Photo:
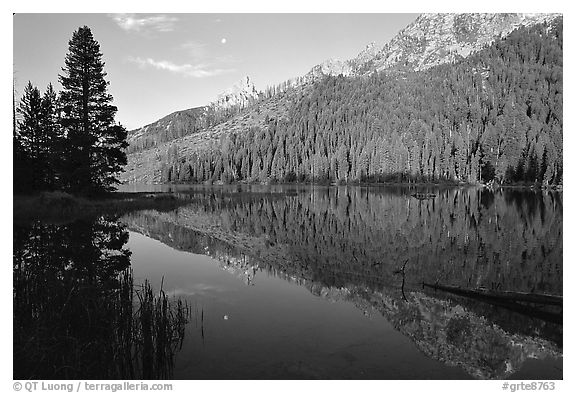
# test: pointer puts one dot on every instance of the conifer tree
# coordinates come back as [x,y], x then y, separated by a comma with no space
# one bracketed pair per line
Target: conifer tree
[28,147]
[52,137]
[94,148]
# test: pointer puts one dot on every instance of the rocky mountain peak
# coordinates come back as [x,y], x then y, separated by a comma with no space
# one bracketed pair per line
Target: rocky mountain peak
[434,39]
[430,40]
[332,67]
[239,93]
[368,52]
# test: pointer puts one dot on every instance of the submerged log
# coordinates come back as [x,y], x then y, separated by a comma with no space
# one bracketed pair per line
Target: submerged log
[526,297]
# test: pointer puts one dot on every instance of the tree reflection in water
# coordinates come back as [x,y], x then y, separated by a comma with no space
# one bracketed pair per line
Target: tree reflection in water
[75,311]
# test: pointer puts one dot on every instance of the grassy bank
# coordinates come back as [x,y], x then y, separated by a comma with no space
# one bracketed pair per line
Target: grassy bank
[57,206]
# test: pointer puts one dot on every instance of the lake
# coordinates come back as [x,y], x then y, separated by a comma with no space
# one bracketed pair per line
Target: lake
[295,282]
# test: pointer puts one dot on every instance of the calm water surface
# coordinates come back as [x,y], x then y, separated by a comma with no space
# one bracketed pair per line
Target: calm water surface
[326,282]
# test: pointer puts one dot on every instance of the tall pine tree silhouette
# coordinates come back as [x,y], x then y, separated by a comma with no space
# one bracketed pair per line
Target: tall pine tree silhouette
[52,138]
[28,142]
[94,148]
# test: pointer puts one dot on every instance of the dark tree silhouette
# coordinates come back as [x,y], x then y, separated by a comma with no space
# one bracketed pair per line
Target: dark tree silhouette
[52,138]
[29,146]
[95,144]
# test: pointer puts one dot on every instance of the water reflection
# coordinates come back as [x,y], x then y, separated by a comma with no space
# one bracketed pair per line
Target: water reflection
[75,315]
[348,244]
[78,313]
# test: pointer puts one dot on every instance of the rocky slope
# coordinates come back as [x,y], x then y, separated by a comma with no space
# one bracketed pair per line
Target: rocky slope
[441,38]
[145,164]
[190,121]
[173,126]
[241,94]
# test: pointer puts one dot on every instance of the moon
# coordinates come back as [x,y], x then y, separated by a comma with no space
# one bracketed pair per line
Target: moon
[223,40]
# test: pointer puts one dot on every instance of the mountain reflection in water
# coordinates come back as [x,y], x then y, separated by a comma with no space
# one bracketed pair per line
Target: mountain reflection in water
[349,244]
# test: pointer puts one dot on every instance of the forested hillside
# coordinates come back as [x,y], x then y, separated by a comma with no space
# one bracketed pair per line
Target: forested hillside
[494,115]
[172,126]
[178,125]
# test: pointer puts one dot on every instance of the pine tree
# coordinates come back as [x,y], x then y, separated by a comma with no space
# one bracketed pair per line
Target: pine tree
[94,143]
[28,146]
[52,137]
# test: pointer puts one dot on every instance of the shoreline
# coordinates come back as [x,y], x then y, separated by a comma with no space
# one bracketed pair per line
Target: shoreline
[58,206]
[61,207]
[520,186]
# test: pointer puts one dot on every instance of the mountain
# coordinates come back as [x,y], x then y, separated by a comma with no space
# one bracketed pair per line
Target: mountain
[434,39]
[190,121]
[329,67]
[430,40]
[173,126]
[367,118]
[239,95]
[153,147]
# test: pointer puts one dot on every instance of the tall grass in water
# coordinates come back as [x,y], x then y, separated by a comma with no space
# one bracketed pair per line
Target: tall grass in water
[79,315]
[129,333]
[160,326]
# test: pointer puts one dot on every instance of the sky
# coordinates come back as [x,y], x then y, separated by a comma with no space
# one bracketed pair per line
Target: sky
[160,63]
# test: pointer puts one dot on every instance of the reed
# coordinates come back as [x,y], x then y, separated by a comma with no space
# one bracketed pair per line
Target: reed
[159,327]
[79,330]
